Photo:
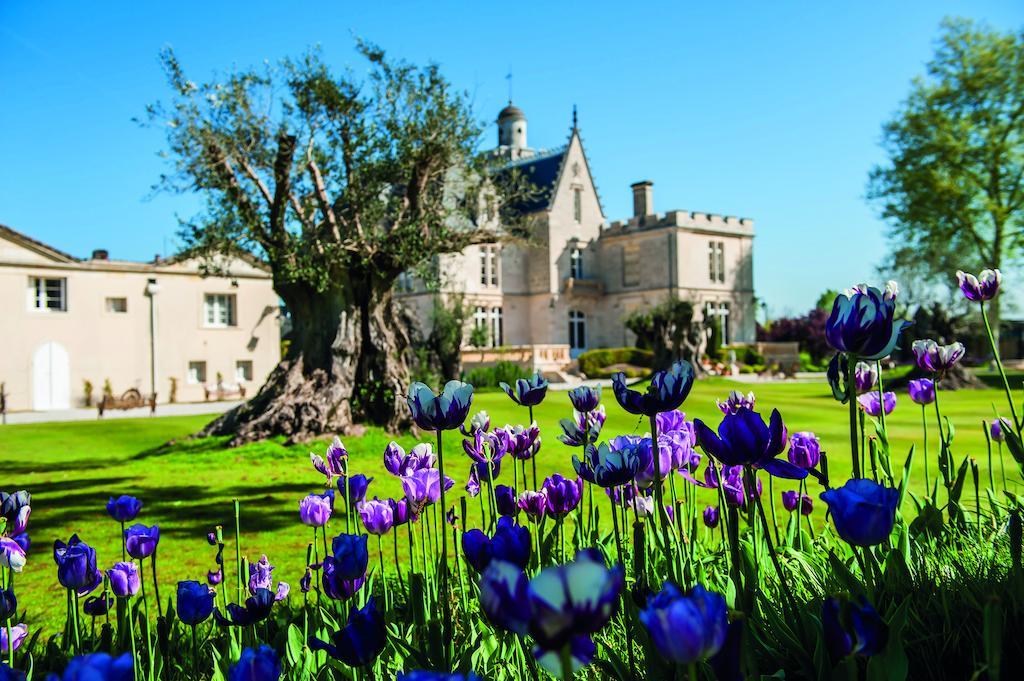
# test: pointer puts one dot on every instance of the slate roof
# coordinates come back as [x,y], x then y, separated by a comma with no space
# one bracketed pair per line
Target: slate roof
[542,172]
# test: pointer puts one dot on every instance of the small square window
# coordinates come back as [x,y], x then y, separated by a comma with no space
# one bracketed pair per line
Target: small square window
[219,310]
[117,305]
[243,371]
[197,372]
[48,295]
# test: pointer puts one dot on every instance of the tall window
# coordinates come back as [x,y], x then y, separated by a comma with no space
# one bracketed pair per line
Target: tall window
[631,265]
[404,283]
[576,263]
[719,312]
[219,310]
[716,261]
[577,330]
[497,328]
[479,335]
[489,265]
[577,205]
[48,295]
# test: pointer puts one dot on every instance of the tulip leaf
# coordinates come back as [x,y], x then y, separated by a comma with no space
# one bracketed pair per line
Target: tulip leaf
[905,480]
[993,638]
[295,644]
[1014,444]
[613,666]
[892,664]
[958,485]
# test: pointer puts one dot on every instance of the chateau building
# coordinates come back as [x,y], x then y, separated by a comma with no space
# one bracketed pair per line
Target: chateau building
[141,325]
[578,276]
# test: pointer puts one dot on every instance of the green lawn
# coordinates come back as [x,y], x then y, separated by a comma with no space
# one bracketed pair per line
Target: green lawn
[72,468]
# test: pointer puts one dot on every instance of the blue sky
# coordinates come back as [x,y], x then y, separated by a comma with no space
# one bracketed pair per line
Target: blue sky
[764,110]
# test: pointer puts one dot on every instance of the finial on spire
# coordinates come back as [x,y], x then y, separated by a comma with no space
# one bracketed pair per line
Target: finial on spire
[574,117]
[508,77]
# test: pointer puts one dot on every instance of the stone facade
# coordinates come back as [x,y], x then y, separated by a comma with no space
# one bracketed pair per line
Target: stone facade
[70,320]
[578,276]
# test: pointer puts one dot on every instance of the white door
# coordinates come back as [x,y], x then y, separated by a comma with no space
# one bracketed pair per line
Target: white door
[577,333]
[51,378]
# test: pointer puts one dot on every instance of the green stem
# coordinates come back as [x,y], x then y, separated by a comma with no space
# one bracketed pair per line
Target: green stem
[924,428]
[1002,372]
[659,494]
[851,393]
[443,590]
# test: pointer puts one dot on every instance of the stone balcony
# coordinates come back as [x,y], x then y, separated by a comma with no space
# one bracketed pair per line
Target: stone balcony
[583,288]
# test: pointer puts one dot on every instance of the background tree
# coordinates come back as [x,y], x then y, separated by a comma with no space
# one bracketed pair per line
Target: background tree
[952,189]
[448,328]
[671,332]
[339,184]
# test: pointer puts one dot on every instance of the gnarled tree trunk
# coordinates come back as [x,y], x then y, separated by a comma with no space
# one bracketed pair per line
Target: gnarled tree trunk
[348,362]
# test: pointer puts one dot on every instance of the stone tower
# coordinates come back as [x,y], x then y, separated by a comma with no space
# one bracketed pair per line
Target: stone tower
[512,130]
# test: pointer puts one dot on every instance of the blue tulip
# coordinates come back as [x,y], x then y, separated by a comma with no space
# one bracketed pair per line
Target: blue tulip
[8,674]
[743,439]
[863,322]
[195,602]
[256,609]
[574,599]
[476,546]
[585,398]
[76,565]
[505,497]
[726,663]
[527,392]
[256,664]
[357,486]
[350,555]
[852,627]
[863,511]
[8,604]
[336,586]
[360,641]
[607,467]
[688,628]
[124,508]
[581,651]
[667,391]
[141,541]
[504,599]
[99,667]
[446,411]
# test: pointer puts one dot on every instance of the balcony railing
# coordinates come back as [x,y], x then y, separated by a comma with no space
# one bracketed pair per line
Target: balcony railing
[583,287]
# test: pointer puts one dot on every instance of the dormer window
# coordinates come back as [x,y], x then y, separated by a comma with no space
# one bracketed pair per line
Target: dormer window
[576,263]
[489,265]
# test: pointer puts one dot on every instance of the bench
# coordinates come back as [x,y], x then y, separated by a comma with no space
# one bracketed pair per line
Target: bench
[223,391]
[129,399]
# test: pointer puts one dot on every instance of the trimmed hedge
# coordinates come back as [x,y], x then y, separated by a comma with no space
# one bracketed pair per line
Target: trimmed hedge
[489,377]
[593,361]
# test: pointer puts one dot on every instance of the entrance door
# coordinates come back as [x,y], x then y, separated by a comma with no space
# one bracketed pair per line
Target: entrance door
[51,378]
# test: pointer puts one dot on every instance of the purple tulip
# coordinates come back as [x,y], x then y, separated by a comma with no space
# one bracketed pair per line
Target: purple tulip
[214,577]
[791,500]
[504,596]
[527,392]
[520,441]
[666,391]
[445,411]
[261,577]
[473,483]
[585,398]
[306,581]
[124,579]
[711,517]
[804,450]
[12,554]
[141,541]
[998,428]
[399,511]
[562,494]
[865,377]
[422,488]
[863,322]
[377,516]
[124,508]
[744,439]
[97,606]
[869,402]
[211,538]
[506,499]
[535,504]
[735,488]
[335,585]
[315,510]
[335,463]
[735,401]
[486,451]
[399,464]
[256,609]
[936,358]
[981,288]
[922,391]
[357,486]
[19,632]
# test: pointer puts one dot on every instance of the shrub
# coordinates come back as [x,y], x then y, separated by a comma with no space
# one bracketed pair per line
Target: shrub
[593,361]
[490,376]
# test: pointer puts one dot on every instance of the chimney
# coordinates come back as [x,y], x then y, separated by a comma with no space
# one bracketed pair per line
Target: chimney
[100,254]
[643,198]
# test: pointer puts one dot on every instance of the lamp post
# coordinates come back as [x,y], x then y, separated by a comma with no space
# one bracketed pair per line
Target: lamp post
[152,288]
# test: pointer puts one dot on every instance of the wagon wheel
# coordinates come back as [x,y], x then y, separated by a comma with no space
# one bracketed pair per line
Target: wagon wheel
[131,398]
